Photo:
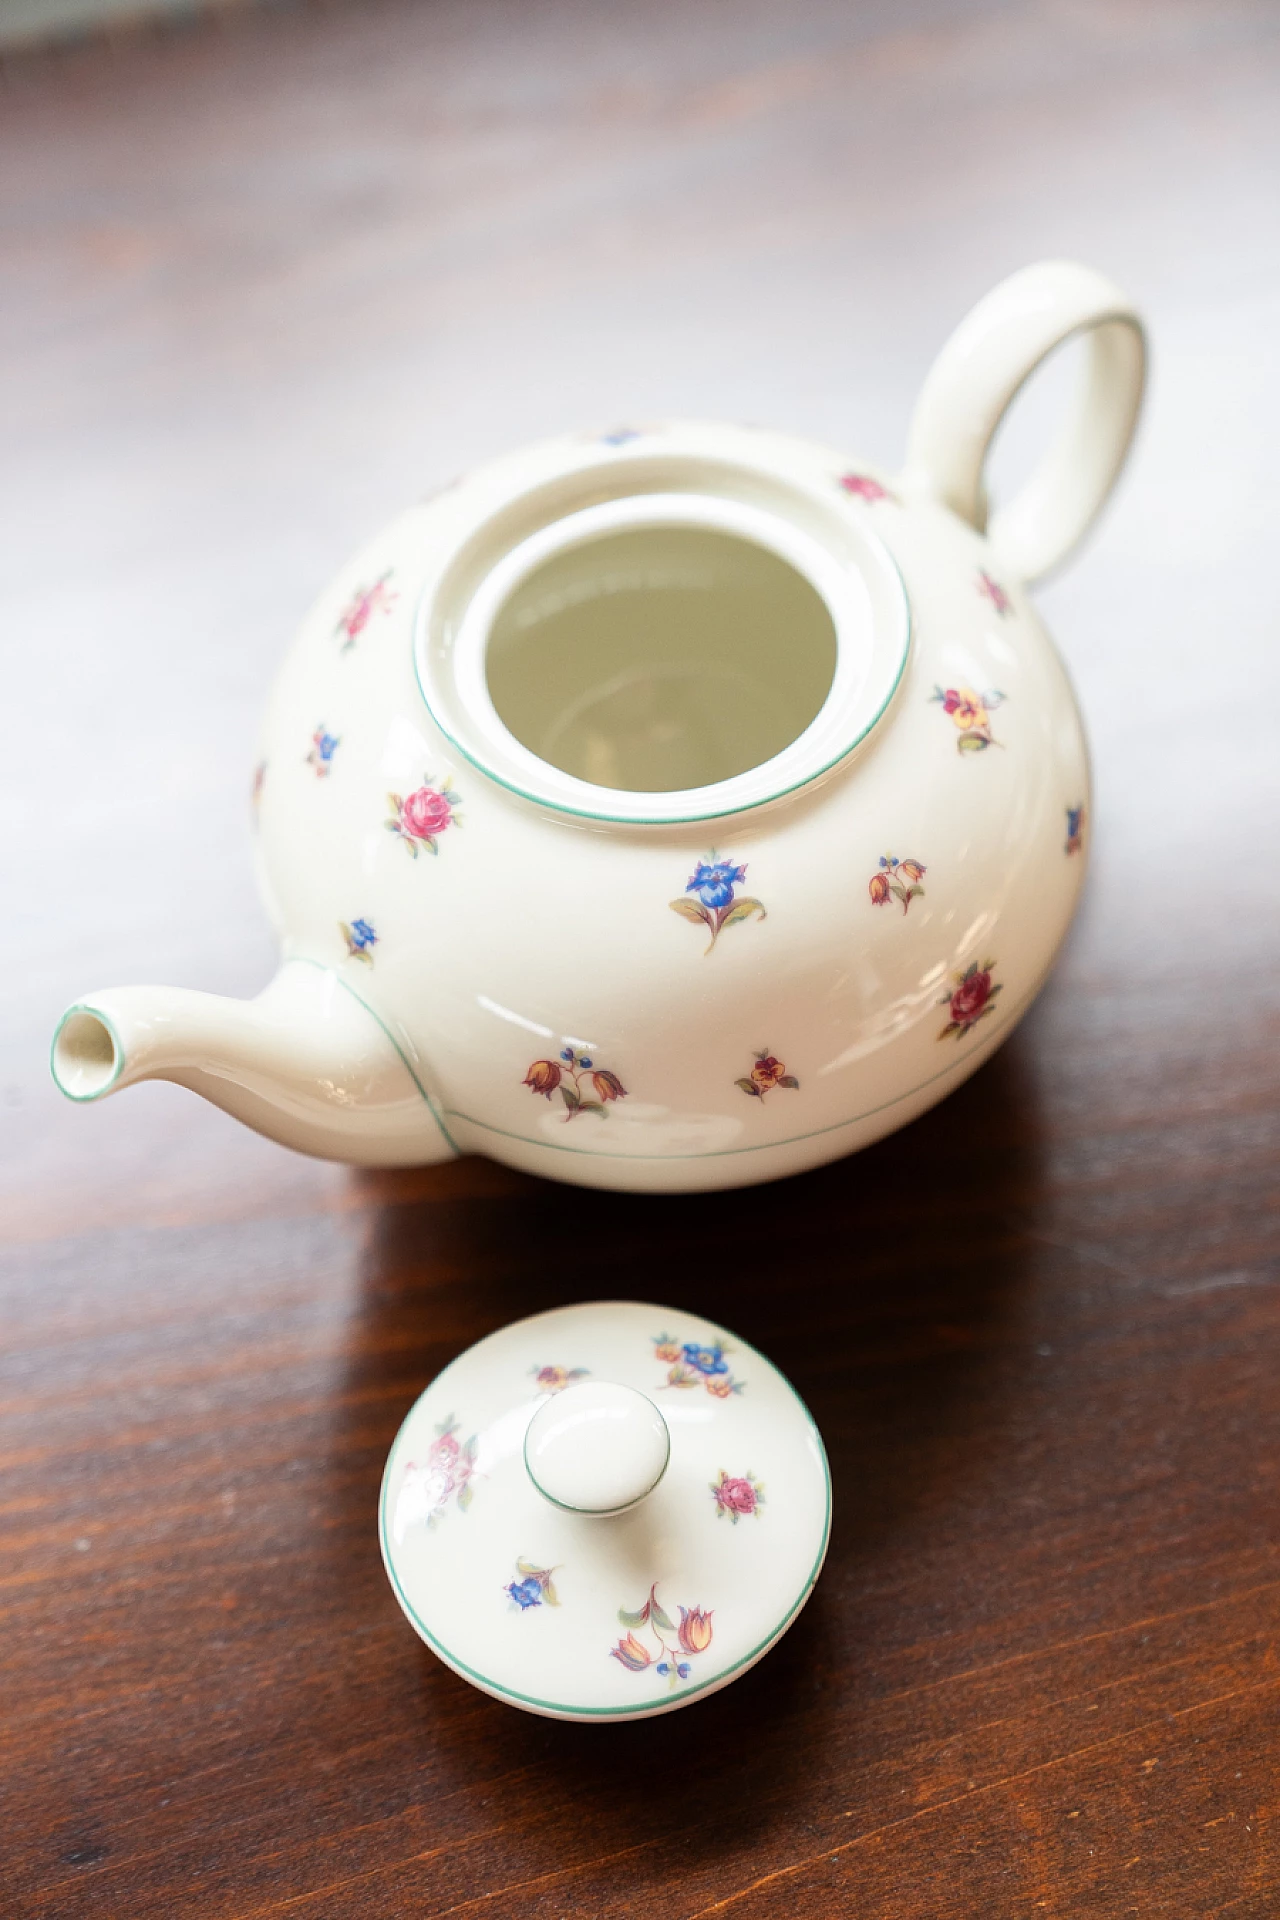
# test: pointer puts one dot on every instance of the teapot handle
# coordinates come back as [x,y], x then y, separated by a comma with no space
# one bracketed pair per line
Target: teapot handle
[980,370]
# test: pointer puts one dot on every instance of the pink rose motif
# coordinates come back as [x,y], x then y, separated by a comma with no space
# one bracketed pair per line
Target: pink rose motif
[425,814]
[736,1496]
[970,1000]
[360,609]
[863,487]
[419,820]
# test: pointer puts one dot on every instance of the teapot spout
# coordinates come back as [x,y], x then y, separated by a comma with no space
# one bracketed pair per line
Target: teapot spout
[306,1063]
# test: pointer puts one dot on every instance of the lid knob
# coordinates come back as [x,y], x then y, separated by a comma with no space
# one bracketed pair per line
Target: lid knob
[596,1448]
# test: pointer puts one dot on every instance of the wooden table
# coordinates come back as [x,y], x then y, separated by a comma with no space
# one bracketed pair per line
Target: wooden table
[267,280]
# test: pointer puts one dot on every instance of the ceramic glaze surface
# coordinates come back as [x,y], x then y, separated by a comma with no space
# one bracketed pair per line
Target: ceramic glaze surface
[583,1617]
[510,923]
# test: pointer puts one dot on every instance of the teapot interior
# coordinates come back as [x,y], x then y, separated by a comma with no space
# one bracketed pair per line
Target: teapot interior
[660,658]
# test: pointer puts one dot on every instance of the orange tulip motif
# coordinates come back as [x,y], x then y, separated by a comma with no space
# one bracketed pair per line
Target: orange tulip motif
[583,1087]
[673,1646]
[897,880]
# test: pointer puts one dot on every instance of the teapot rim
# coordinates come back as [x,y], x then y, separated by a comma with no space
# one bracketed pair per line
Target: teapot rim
[861,588]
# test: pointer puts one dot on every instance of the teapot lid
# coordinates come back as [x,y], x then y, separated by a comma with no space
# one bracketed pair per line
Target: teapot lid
[605,1511]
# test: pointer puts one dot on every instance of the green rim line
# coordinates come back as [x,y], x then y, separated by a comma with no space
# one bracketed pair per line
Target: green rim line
[765,1146]
[1006,1020]
[95,1013]
[303,960]
[560,1707]
[718,812]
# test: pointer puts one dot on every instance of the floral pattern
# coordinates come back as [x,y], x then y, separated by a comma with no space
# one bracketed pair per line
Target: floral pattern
[429,1485]
[690,1364]
[992,590]
[768,1072]
[737,1496]
[360,609]
[896,880]
[674,1646]
[716,903]
[970,1000]
[360,938]
[971,714]
[323,747]
[584,1087]
[533,1588]
[862,487]
[556,1379]
[1075,828]
[420,819]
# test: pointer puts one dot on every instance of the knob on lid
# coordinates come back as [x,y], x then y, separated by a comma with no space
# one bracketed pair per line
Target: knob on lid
[605,1511]
[597,1448]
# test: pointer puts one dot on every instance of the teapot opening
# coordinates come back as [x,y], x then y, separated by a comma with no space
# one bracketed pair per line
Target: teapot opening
[666,653]
[660,658]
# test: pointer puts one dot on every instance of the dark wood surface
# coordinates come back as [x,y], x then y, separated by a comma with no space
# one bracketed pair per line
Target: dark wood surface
[264,282]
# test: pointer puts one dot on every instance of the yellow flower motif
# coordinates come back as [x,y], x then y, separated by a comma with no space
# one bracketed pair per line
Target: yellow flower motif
[968,710]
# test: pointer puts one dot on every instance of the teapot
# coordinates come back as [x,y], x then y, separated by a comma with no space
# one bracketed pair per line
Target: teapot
[670,808]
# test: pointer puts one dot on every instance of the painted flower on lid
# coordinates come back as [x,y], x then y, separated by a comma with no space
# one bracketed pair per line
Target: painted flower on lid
[737,1495]
[768,1072]
[896,880]
[971,999]
[323,747]
[716,904]
[533,1587]
[861,486]
[429,1485]
[360,609]
[992,590]
[692,1363]
[360,938]
[1075,828]
[582,1086]
[632,1653]
[970,714]
[556,1379]
[420,819]
[694,1631]
[673,1648]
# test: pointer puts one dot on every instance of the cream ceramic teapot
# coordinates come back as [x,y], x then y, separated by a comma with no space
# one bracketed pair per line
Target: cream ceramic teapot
[669,809]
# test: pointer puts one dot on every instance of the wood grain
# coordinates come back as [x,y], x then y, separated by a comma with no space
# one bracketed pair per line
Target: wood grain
[265,281]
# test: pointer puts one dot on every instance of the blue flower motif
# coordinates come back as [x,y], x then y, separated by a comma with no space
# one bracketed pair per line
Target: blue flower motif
[525,1593]
[705,1359]
[325,744]
[714,883]
[683,1669]
[584,1062]
[362,935]
[566,1053]
[663,1667]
